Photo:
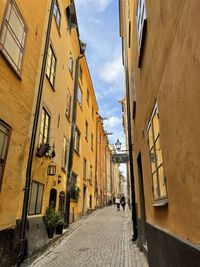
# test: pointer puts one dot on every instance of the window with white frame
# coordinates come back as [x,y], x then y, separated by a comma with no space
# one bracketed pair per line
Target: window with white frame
[51,66]
[77,141]
[68,104]
[80,95]
[141,19]
[64,154]
[71,63]
[56,12]
[156,158]
[13,36]
[4,143]
[44,127]
[35,204]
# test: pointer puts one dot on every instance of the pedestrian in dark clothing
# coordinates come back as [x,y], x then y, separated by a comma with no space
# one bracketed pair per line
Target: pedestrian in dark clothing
[123,201]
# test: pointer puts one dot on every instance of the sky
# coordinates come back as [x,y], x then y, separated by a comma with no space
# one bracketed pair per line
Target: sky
[98,22]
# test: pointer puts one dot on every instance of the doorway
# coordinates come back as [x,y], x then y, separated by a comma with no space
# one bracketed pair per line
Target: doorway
[52,197]
[142,223]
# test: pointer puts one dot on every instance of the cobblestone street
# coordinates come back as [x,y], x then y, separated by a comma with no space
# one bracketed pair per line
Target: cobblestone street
[103,239]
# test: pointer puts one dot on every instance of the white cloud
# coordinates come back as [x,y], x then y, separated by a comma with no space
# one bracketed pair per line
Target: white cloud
[97,5]
[113,122]
[112,70]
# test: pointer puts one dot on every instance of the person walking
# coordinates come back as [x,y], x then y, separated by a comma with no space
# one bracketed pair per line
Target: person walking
[123,201]
[117,201]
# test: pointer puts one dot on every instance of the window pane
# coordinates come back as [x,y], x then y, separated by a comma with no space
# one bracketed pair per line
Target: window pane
[153,160]
[158,152]
[12,49]
[162,184]
[156,125]
[155,186]
[33,198]
[39,199]
[16,25]
[150,135]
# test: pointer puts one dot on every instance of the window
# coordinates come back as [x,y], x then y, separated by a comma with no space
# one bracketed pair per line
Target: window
[13,36]
[56,12]
[61,206]
[141,24]
[92,141]
[64,154]
[90,175]
[4,143]
[84,168]
[74,179]
[44,128]
[51,66]
[71,64]
[81,73]
[80,96]
[93,112]
[86,130]
[156,159]
[77,141]
[73,185]
[68,104]
[88,96]
[35,205]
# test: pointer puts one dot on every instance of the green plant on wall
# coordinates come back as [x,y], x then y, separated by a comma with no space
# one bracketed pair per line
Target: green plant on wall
[75,192]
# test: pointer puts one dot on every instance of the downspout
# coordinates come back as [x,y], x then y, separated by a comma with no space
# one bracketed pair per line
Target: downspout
[22,235]
[72,140]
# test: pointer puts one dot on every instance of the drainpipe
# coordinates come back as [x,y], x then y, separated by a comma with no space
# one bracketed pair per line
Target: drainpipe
[72,140]
[22,235]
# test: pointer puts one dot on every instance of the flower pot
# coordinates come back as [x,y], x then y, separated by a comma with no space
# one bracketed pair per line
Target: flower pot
[59,229]
[50,232]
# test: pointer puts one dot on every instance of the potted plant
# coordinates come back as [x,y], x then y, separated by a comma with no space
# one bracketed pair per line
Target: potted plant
[59,227]
[51,220]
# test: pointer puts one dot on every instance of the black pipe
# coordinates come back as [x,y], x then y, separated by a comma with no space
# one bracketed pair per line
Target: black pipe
[72,140]
[22,235]
[130,146]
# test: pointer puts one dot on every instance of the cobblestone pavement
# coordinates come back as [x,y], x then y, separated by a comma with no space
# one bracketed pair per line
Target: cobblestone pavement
[103,239]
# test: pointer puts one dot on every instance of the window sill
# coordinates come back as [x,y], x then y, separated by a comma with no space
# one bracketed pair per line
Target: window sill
[71,73]
[63,170]
[78,154]
[68,118]
[18,74]
[52,85]
[160,203]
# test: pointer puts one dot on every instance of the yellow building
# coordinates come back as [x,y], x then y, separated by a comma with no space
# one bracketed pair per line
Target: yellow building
[21,38]
[161,61]
[84,160]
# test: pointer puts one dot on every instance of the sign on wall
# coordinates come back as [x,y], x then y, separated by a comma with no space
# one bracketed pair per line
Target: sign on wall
[120,158]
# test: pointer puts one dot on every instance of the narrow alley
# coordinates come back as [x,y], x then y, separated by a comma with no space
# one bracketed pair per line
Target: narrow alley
[101,239]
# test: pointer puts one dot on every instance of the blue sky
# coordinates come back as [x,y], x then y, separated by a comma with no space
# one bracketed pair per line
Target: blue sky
[98,22]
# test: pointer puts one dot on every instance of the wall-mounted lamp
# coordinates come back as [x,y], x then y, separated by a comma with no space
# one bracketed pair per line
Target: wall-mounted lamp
[59,179]
[51,170]
[118,145]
